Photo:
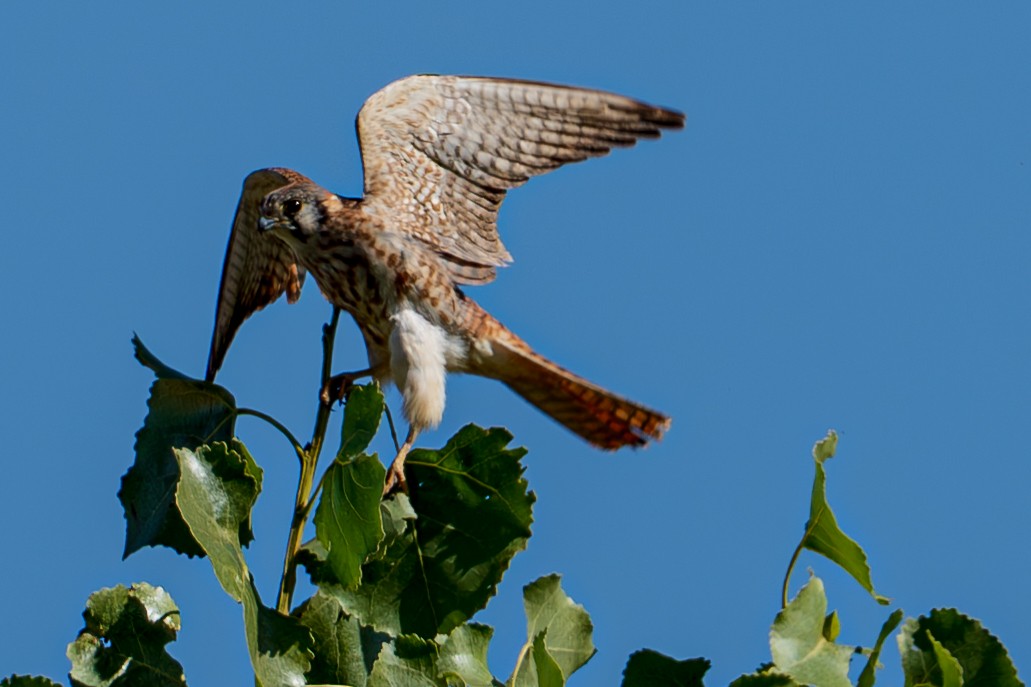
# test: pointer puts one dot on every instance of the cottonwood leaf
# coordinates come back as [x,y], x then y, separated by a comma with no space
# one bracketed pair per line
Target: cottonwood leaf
[764,680]
[982,657]
[123,641]
[648,668]
[362,414]
[951,671]
[435,571]
[409,662]
[345,650]
[181,413]
[823,535]
[557,627]
[798,645]
[28,681]
[347,520]
[868,676]
[463,655]
[215,494]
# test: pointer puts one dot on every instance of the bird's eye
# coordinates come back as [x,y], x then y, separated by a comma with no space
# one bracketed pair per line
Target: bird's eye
[291,207]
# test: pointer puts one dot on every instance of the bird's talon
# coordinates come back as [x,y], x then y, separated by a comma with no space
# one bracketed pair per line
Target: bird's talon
[395,480]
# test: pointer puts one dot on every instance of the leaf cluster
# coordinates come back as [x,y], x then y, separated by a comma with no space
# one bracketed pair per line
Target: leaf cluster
[400,579]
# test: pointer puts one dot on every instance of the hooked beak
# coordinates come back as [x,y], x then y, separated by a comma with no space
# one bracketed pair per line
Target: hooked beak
[266,223]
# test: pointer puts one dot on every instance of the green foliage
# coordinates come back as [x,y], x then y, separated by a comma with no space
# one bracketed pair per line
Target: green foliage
[27,681]
[215,494]
[822,533]
[399,579]
[443,556]
[948,648]
[558,636]
[182,413]
[647,668]
[799,645]
[123,641]
[866,678]
[348,522]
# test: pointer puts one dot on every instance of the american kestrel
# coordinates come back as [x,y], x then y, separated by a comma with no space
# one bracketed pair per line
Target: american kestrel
[439,153]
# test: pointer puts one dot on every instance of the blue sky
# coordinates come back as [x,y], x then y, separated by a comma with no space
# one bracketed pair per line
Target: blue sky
[839,238]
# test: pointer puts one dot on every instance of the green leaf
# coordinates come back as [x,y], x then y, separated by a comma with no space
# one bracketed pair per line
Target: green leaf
[150,361]
[548,672]
[344,649]
[410,662]
[647,668]
[215,494]
[347,521]
[868,676]
[463,655]
[182,413]
[798,645]
[831,627]
[556,625]
[361,420]
[434,572]
[764,680]
[951,671]
[822,532]
[980,654]
[123,641]
[28,681]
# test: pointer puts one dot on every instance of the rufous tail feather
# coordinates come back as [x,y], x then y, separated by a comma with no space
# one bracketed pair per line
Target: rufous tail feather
[601,417]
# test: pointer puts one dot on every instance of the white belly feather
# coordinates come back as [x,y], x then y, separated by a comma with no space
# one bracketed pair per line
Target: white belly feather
[421,352]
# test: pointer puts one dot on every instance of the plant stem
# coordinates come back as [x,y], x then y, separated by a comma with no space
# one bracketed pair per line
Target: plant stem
[809,528]
[309,461]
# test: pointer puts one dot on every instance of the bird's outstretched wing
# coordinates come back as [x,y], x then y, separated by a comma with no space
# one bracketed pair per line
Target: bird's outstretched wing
[258,268]
[439,153]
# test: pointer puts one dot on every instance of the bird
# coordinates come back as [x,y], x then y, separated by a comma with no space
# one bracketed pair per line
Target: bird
[439,153]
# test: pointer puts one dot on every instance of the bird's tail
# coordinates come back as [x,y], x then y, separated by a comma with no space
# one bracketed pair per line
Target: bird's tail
[599,416]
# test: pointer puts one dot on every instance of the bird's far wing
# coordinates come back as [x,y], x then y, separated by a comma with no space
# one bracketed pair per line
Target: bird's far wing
[258,268]
[439,153]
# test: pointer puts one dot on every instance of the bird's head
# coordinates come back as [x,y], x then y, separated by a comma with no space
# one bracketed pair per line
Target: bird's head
[297,211]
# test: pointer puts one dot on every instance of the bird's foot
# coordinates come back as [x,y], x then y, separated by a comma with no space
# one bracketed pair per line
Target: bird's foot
[338,388]
[396,472]
[395,479]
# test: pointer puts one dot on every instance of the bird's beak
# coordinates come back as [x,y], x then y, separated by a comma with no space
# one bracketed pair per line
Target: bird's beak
[266,223]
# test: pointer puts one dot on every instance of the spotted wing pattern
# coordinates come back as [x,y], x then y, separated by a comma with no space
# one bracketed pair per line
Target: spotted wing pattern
[257,270]
[440,152]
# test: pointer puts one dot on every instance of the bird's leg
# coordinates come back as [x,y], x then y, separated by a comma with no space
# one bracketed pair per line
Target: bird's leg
[396,471]
[339,386]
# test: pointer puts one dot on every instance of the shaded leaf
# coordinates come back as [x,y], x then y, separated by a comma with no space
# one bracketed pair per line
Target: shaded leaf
[647,668]
[764,680]
[362,415]
[554,623]
[181,413]
[410,662]
[28,681]
[123,641]
[463,655]
[344,650]
[150,361]
[980,654]
[434,572]
[798,645]
[868,676]
[347,520]
[822,532]
[215,494]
